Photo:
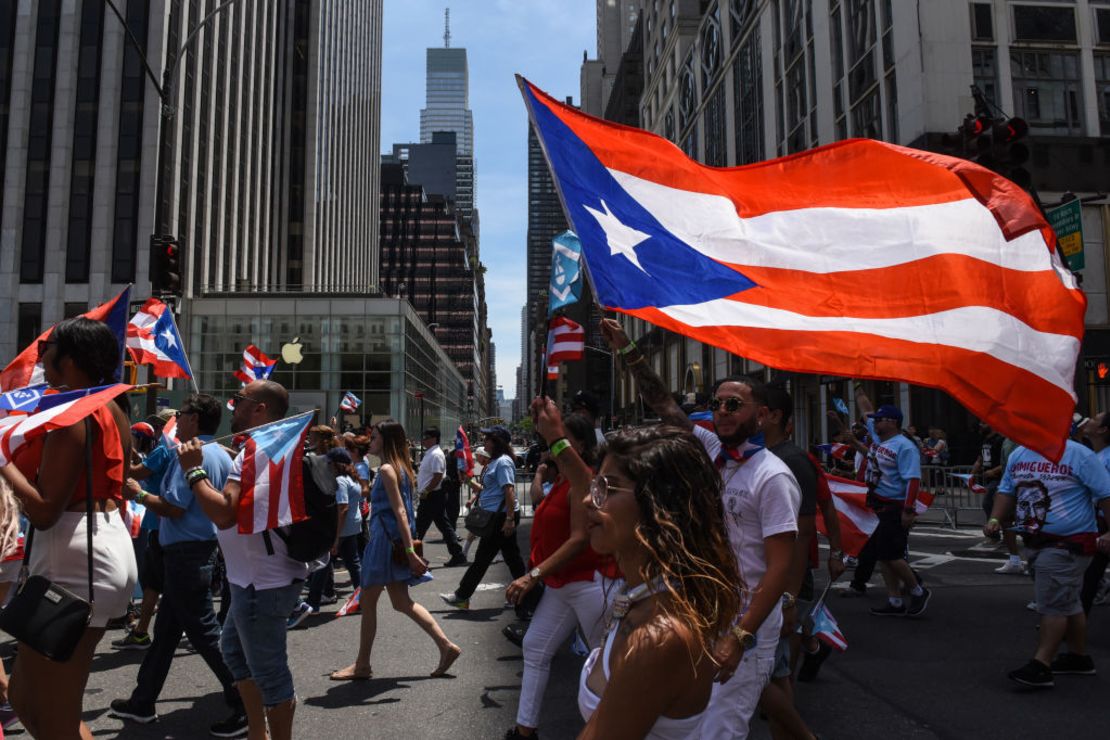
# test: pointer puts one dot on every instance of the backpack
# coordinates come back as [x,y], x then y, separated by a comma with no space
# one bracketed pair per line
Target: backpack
[311,539]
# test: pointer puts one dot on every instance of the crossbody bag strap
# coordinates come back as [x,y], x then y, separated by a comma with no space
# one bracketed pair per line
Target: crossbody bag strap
[89,501]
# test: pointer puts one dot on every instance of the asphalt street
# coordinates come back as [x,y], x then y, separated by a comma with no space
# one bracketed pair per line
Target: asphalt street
[939,676]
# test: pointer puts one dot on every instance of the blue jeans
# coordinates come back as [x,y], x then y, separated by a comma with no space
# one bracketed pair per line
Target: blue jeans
[253,639]
[186,609]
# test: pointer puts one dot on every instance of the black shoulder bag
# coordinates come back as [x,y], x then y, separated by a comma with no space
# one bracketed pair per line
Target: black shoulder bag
[43,615]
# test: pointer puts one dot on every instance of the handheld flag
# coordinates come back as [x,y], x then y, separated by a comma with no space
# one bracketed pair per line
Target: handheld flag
[970,481]
[351,605]
[169,435]
[566,340]
[703,419]
[566,274]
[553,372]
[827,630]
[840,405]
[153,339]
[256,365]
[132,514]
[350,403]
[64,409]
[835,449]
[462,452]
[272,491]
[26,369]
[766,262]
[856,520]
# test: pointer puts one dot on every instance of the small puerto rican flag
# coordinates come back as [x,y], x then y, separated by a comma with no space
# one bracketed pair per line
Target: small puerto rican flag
[256,365]
[827,630]
[350,403]
[272,493]
[350,606]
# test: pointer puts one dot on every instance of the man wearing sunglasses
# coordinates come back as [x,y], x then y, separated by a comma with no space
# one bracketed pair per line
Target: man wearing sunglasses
[761,499]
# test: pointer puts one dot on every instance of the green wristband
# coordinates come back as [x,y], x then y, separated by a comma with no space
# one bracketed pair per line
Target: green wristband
[558,446]
[410,550]
[627,348]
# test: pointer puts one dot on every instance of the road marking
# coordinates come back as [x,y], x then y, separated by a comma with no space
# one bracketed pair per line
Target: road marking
[931,561]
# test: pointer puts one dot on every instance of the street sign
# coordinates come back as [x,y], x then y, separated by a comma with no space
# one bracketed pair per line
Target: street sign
[1067,222]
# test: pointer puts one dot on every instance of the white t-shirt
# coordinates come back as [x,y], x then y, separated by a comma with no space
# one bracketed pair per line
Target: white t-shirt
[248,562]
[761,499]
[434,462]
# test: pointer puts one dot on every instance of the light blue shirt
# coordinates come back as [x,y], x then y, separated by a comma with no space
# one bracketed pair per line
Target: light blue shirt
[495,476]
[1056,498]
[892,464]
[350,493]
[194,525]
[156,462]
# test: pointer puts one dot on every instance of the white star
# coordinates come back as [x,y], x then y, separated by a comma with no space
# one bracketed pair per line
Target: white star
[622,239]
[168,336]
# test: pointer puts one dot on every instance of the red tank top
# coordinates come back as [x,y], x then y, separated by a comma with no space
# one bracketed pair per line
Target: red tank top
[107,460]
[550,529]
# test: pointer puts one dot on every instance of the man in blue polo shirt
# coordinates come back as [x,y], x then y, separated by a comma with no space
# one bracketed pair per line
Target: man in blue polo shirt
[188,540]
[1052,505]
[893,476]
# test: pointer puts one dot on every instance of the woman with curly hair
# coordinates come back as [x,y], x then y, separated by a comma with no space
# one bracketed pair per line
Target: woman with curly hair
[655,506]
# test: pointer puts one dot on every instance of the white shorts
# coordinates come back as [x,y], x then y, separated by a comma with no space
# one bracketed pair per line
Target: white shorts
[59,554]
[732,704]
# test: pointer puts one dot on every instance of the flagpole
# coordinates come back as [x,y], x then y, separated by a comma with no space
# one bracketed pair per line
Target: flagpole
[188,365]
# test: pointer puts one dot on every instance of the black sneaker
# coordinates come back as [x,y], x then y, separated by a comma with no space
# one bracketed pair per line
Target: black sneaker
[456,561]
[514,633]
[918,603]
[888,610]
[512,734]
[1035,674]
[1073,664]
[124,709]
[854,590]
[811,662]
[233,726]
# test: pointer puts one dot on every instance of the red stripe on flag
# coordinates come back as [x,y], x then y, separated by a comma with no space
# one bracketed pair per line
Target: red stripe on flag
[276,473]
[248,478]
[295,476]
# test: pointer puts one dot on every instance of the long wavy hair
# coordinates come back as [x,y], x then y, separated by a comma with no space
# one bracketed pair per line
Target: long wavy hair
[681,525]
[395,449]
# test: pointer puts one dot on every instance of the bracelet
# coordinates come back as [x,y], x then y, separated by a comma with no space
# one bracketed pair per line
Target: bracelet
[993,519]
[627,348]
[140,497]
[193,469]
[559,446]
[195,475]
[410,550]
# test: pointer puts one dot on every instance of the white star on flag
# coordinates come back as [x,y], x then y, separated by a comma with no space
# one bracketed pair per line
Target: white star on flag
[622,239]
[171,341]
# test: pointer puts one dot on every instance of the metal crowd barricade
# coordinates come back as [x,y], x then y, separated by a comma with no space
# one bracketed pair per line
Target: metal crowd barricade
[952,494]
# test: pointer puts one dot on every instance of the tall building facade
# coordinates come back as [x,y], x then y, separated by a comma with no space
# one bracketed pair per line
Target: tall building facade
[447,108]
[270,156]
[734,82]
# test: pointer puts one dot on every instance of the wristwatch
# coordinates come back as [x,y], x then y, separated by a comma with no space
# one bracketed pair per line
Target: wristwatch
[535,573]
[788,600]
[745,638]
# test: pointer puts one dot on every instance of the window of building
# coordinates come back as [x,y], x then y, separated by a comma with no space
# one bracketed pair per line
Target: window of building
[7,49]
[710,42]
[129,165]
[794,72]
[748,92]
[1044,23]
[687,95]
[985,71]
[37,190]
[81,184]
[1102,26]
[1102,90]
[29,324]
[716,135]
[668,124]
[741,12]
[1047,90]
[982,22]
[73,310]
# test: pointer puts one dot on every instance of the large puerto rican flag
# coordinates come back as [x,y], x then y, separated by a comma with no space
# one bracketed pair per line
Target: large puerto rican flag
[857,258]
[26,369]
[153,339]
[54,411]
[272,490]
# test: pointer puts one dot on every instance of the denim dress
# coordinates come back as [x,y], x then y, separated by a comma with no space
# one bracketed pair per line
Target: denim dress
[378,567]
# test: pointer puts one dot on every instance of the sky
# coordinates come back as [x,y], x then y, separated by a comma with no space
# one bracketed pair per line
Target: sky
[540,39]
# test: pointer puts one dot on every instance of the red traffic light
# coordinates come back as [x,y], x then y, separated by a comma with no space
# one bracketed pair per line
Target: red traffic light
[1007,132]
[1103,370]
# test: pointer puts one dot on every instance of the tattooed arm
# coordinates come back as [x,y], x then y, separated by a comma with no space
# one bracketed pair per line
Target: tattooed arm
[651,387]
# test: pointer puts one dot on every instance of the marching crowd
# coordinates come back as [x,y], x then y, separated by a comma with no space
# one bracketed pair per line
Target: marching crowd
[682,555]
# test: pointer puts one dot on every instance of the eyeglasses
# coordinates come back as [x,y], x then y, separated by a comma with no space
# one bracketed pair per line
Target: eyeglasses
[238,397]
[43,345]
[600,488]
[732,405]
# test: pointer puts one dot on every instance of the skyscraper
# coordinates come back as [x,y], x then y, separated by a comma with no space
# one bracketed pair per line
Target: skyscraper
[447,108]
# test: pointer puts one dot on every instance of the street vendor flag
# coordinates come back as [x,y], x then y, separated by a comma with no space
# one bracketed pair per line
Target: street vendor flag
[857,258]
[26,369]
[566,273]
[856,520]
[272,490]
[255,365]
[153,339]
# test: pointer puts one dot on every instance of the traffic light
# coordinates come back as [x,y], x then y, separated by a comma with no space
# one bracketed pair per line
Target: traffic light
[1009,153]
[165,265]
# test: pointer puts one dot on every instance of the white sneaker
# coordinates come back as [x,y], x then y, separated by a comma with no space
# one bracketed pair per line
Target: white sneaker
[1031,606]
[1011,567]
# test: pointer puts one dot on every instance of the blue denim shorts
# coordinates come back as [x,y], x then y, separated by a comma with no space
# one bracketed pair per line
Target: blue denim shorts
[253,641]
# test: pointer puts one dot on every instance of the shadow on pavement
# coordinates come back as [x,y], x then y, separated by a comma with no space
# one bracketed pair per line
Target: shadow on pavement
[352,693]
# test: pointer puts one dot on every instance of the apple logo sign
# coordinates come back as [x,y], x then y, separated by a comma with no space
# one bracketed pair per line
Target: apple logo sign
[291,352]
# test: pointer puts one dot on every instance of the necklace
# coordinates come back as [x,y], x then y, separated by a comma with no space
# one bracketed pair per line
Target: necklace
[628,598]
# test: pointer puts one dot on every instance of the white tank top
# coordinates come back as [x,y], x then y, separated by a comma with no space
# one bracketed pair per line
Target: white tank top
[665,728]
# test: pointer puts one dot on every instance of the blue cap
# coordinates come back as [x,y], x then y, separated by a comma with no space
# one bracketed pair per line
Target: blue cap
[886,411]
[339,455]
[499,432]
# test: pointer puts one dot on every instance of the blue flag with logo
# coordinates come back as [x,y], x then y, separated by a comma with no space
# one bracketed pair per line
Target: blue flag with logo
[566,271]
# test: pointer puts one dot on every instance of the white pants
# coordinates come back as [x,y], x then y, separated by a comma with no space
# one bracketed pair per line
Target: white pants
[578,603]
[733,703]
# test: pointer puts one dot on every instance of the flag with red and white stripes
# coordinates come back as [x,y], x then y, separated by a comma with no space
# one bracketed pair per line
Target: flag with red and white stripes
[858,258]
[255,366]
[56,411]
[566,341]
[272,490]
[857,521]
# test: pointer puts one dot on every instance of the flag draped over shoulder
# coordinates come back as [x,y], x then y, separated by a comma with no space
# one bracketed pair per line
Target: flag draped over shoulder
[271,483]
[857,258]
[54,412]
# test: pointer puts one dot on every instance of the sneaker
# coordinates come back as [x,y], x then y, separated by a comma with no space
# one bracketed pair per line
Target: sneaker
[233,726]
[124,709]
[888,610]
[7,716]
[853,591]
[1031,606]
[132,641]
[1035,674]
[328,599]
[514,633]
[918,603]
[457,561]
[811,662]
[301,613]
[452,600]
[512,734]
[1011,568]
[1073,664]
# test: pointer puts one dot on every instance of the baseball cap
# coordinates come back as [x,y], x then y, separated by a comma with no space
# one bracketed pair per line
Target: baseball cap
[498,431]
[586,400]
[166,414]
[886,411]
[339,455]
[142,429]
